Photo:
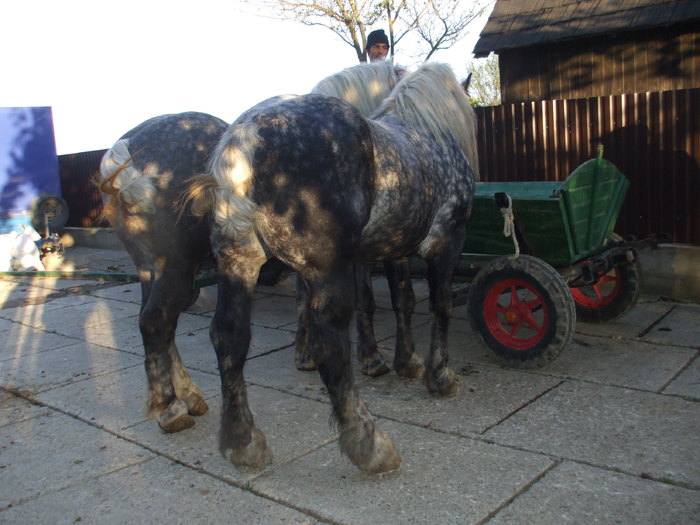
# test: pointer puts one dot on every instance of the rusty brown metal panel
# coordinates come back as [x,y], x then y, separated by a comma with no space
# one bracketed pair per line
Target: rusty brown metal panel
[653,138]
[84,200]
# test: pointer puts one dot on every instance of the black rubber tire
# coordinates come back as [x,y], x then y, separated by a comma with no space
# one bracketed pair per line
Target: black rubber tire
[53,206]
[610,308]
[540,292]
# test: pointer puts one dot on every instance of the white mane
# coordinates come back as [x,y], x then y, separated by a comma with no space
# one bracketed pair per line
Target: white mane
[364,86]
[432,99]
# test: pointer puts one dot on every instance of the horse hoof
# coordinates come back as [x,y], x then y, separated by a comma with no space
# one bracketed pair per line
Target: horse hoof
[385,457]
[443,383]
[255,454]
[196,406]
[175,418]
[374,367]
[413,369]
[304,362]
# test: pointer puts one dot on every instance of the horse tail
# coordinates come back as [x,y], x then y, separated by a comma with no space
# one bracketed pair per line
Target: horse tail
[125,183]
[200,194]
[232,168]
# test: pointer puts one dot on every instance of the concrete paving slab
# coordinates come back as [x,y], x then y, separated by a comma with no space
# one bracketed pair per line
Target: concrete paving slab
[274,311]
[385,326]
[115,400]
[687,384]
[634,323]
[557,429]
[444,479]
[130,293]
[616,428]
[5,325]
[82,258]
[189,322]
[19,340]
[462,343]
[486,397]
[679,327]
[155,491]
[45,370]
[197,351]
[58,283]
[44,454]
[619,362]
[12,291]
[54,301]
[293,427]
[124,333]
[75,313]
[277,370]
[206,302]
[14,409]
[575,493]
[121,334]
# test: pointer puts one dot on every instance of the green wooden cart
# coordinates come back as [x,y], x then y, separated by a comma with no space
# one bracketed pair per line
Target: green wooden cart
[560,261]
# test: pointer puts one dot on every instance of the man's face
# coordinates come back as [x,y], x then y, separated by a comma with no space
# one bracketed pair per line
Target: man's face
[378,52]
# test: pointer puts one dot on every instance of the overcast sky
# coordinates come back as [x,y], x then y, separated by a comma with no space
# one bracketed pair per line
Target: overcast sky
[106,66]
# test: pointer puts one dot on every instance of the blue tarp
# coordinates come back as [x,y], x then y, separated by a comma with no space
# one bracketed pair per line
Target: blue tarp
[28,163]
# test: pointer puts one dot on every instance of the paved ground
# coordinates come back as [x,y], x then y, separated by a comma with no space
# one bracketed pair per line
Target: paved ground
[608,433]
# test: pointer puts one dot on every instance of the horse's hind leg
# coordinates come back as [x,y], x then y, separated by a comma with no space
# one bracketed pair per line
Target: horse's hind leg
[438,377]
[240,441]
[407,362]
[331,308]
[302,358]
[172,395]
[371,361]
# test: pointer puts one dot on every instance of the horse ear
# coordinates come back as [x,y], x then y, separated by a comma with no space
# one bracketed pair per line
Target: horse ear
[466,82]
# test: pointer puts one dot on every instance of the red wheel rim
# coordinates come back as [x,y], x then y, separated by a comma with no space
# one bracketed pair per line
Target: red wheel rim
[601,293]
[516,314]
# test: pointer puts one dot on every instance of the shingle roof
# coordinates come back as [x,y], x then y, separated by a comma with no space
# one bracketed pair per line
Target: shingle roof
[523,23]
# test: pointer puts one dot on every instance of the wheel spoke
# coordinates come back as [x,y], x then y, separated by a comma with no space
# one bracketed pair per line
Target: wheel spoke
[531,321]
[514,299]
[515,327]
[597,291]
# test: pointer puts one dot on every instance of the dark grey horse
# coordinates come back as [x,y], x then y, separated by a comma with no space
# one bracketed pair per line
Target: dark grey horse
[312,182]
[143,178]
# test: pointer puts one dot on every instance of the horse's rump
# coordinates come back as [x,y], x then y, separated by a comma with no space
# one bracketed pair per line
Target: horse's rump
[289,168]
[154,158]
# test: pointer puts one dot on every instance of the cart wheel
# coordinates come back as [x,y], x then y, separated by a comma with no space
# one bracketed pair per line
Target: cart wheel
[611,297]
[522,309]
[53,207]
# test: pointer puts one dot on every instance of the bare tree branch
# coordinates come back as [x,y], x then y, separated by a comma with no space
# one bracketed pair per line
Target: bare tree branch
[437,23]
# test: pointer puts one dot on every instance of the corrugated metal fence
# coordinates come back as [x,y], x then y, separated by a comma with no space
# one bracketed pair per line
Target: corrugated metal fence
[653,138]
[81,195]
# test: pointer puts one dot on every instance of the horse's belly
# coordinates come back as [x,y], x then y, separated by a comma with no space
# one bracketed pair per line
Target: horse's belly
[391,239]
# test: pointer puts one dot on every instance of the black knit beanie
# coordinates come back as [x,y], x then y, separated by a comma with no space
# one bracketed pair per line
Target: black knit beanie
[376,37]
